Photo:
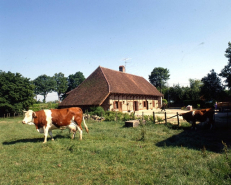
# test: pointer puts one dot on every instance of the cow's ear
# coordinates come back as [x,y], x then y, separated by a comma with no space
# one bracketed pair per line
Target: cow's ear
[34,115]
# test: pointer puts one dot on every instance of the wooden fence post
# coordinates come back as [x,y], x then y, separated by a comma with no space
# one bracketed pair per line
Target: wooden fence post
[154,118]
[134,116]
[178,119]
[165,117]
[142,115]
[116,116]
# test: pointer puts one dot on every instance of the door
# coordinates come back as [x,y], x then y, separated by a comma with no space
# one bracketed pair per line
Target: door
[120,106]
[136,106]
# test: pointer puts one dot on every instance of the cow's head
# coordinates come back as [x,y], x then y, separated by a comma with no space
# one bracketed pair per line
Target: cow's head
[29,117]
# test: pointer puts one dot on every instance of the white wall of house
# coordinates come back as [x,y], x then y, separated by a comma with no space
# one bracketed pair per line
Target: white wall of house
[127,103]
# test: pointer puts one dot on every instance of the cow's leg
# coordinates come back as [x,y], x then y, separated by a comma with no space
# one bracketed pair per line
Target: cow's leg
[73,136]
[45,134]
[193,125]
[80,132]
[50,133]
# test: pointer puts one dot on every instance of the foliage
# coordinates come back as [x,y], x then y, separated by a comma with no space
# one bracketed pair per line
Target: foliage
[159,76]
[110,116]
[42,106]
[16,93]
[195,86]
[61,84]
[212,88]
[43,85]
[126,117]
[99,111]
[176,93]
[159,119]
[226,72]
[164,101]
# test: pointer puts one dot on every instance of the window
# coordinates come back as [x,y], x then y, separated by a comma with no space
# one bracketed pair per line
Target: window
[144,104]
[116,105]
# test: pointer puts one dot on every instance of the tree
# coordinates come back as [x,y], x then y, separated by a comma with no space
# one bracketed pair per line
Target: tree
[195,89]
[176,94]
[226,72]
[61,84]
[43,85]
[16,92]
[74,81]
[212,87]
[158,77]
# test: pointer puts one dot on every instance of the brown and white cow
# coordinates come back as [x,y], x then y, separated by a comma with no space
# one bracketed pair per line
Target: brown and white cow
[203,115]
[47,120]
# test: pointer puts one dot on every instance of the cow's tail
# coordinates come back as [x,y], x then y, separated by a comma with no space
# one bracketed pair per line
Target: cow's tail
[85,125]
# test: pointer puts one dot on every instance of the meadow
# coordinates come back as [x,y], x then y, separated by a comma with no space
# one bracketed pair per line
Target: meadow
[114,154]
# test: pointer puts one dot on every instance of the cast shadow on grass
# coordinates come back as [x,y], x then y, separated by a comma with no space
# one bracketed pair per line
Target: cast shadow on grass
[198,139]
[34,140]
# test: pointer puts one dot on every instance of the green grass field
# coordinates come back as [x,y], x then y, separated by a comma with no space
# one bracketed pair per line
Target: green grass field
[114,154]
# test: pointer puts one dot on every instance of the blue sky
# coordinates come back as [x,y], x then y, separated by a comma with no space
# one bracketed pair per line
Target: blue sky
[51,36]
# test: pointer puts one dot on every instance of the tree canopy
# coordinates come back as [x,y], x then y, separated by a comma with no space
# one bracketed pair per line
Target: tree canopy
[16,92]
[212,88]
[159,77]
[61,84]
[75,80]
[43,85]
[226,72]
[195,85]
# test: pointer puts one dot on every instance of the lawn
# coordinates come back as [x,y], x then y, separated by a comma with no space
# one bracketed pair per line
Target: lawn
[114,154]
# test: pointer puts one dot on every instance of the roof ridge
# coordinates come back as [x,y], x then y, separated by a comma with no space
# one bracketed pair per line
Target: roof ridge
[122,72]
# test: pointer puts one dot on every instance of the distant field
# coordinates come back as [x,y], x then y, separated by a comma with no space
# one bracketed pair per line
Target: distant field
[113,154]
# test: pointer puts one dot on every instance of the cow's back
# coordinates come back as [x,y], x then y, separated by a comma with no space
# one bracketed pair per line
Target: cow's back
[63,117]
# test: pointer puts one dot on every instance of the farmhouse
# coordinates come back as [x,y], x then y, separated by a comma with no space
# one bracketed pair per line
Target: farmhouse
[114,91]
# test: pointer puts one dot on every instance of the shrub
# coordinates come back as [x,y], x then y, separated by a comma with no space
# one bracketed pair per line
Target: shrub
[146,118]
[159,119]
[164,101]
[99,111]
[126,117]
[109,117]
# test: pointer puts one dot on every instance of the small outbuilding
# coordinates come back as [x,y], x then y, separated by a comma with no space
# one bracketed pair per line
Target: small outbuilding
[114,91]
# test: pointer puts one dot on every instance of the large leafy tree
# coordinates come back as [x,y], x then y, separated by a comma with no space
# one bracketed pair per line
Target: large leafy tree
[61,84]
[176,94]
[74,80]
[226,72]
[212,88]
[43,85]
[16,92]
[195,86]
[159,77]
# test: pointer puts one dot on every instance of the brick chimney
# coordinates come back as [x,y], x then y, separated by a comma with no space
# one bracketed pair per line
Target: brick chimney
[122,69]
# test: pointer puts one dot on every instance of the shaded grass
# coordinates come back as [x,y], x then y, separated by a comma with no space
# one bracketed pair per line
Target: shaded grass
[113,154]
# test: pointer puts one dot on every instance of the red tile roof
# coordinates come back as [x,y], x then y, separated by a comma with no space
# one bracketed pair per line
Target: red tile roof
[102,82]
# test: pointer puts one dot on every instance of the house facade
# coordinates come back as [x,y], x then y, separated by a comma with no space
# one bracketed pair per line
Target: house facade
[114,91]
